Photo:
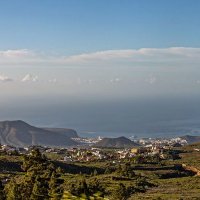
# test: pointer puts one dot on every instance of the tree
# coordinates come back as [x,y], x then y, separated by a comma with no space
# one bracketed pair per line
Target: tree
[138,159]
[35,160]
[142,184]
[12,191]
[41,182]
[40,189]
[79,187]
[126,170]
[120,193]
[55,190]
[2,194]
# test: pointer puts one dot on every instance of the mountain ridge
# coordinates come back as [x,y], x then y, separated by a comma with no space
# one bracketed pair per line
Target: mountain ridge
[19,133]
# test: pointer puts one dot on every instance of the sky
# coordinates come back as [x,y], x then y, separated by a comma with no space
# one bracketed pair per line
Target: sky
[76,27]
[75,52]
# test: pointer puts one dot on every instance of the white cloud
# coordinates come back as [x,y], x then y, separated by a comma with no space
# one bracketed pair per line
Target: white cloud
[54,80]
[115,80]
[101,55]
[126,56]
[20,56]
[140,55]
[29,78]
[151,79]
[4,78]
[20,53]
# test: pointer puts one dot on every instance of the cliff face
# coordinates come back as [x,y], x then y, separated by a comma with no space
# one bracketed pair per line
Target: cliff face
[64,131]
[19,133]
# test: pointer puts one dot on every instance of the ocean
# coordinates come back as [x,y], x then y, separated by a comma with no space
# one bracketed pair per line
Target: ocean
[145,117]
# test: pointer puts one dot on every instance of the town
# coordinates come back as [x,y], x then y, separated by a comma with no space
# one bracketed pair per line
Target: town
[85,152]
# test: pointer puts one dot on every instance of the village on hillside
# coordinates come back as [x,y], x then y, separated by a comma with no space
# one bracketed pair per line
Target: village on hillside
[147,148]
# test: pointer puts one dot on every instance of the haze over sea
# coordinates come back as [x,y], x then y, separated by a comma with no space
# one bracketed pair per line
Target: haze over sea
[161,117]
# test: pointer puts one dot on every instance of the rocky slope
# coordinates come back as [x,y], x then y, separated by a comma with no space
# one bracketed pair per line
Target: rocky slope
[19,133]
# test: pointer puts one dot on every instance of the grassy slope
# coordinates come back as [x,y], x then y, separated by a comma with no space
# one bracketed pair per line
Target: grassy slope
[177,188]
[171,188]
[174,188]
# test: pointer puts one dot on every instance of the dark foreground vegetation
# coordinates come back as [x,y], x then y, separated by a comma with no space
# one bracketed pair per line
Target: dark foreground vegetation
[35,176]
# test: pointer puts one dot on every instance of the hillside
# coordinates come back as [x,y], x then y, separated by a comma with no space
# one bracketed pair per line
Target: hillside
[19,133]
[64,131]
[120,142]
[191,139]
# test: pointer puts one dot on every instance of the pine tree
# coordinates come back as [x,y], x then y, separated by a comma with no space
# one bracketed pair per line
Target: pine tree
[34,161]
[120,193]
[2,194]
[55,190]
[40,189]
[12,191]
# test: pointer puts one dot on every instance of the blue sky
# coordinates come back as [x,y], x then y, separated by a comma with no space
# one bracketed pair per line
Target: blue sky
[64,52]
[76,26]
